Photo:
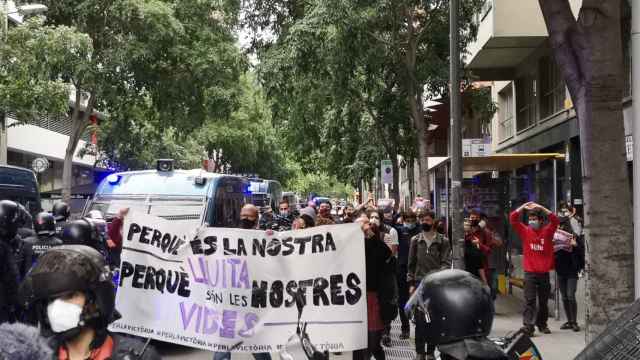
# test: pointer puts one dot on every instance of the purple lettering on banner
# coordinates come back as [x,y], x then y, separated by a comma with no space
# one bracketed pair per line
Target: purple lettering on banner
[228,324]
[204,269]
[198,319]
[224,274]
[197,279]
[210,327]
[250,321]
[217,277]
[244,276]
[186,319]
[234,273]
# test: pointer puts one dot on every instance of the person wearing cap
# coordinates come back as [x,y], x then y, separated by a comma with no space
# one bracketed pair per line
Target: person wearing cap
[73,297]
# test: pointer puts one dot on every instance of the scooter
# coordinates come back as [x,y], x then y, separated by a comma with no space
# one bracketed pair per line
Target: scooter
[299,346]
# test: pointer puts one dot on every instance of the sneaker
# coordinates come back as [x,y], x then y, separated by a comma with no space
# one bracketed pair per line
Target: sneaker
[386,340]
[566,326]
[576,327]
[404,335]
[528,330]
[544,329]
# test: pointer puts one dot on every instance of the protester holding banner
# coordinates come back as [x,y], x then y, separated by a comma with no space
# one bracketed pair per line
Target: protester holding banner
[71,290]
[430,251]
[376,255]
[114,237]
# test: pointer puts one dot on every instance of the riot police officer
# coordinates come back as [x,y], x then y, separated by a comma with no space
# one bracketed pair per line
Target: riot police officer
[459,312]
[71,292]
[22,252]
[8,269]
[25,222]
[61,213]
[84,232]
[45,239]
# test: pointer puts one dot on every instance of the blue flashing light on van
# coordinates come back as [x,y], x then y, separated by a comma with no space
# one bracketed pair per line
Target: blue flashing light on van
[193,196]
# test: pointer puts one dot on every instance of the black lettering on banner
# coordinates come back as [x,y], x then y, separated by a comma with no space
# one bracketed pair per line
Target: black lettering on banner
[302,242]
[317,243]
[212,242]
[259,294]
[161,279]
[149,279]
[242,250]
[183,288]
[276,296]
[336,289]
[143,235]
[291,290]
[274,247]
[155,239]
[166,241]
[354,293]
[171,287]
[320,286]
[288,246]
[133,229]
[137,276]
[125,271]
[175,245]
[227,249]
[259,247]
[329,243]
[196,246]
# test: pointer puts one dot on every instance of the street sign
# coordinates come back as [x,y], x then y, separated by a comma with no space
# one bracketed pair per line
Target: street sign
[386,171]
[39,165]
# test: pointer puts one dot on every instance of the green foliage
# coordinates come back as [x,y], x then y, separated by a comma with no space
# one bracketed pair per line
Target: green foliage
[320,183]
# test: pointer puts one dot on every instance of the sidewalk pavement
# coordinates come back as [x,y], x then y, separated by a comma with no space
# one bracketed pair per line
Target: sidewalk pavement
[560,345]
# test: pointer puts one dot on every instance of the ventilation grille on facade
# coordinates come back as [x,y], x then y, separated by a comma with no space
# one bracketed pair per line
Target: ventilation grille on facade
[60,124]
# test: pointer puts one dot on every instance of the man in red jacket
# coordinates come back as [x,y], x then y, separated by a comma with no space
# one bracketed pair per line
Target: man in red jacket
[114,237]
[538,260]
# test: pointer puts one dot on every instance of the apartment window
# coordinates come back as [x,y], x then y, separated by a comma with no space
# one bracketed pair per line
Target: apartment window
[505,113]
[552,88]
[526,96]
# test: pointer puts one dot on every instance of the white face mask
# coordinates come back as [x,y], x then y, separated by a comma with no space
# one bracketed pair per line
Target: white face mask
[482,224]
[375,221]
[63,316]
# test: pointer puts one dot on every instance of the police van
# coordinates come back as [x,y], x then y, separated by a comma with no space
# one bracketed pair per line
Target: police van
[193,197]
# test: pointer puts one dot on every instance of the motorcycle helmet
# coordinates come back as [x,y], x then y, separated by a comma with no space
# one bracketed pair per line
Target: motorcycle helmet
[45,224]
[9,218]
[61,211]
[457,306]
[62,271]
[81,232]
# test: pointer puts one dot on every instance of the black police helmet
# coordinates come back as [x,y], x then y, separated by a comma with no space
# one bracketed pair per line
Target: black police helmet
[61,211]
[64,270]
[9,216]
[45,224]
[457,306]
[81,232]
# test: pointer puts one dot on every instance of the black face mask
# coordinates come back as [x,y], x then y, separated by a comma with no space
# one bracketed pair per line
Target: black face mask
[426,227]
[247,224]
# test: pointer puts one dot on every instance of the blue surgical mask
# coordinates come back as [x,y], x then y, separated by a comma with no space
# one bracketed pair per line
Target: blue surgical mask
[535,224]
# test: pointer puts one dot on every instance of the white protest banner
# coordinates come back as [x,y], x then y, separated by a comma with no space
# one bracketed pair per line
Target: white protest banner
[232,290]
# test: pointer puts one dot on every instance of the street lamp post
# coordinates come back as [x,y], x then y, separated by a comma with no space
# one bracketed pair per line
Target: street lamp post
[27,9]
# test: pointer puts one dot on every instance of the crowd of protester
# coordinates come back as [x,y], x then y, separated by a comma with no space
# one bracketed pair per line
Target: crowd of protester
[60,267]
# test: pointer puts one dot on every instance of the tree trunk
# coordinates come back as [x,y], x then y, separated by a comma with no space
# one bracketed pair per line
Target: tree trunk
[79,123]
[394,192]
[589,54]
